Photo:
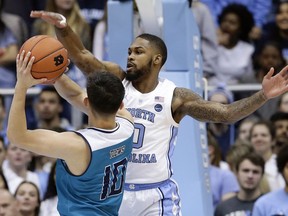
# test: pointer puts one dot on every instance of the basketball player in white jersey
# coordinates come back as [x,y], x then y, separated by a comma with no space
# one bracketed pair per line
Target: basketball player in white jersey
[157,106]
[91,162]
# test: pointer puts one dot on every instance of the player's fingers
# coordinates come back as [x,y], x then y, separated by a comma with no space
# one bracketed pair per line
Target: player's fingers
[27,56]
[283,72]
[22,54]
[30,63]
[270,73]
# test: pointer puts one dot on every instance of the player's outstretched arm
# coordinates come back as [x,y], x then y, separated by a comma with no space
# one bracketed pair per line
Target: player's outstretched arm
[186,102]
[79,55]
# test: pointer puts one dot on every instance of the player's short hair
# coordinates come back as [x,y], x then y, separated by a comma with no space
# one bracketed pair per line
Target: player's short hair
[105,92]
[158,43]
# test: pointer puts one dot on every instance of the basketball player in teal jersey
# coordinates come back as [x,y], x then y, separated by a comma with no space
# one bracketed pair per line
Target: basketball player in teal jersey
[92,162]
[157,106]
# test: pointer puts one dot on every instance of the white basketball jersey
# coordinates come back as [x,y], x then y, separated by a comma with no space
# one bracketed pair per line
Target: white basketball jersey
[154,135]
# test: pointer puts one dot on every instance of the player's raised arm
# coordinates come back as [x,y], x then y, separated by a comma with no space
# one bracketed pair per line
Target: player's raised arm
[79,55]
[186,102]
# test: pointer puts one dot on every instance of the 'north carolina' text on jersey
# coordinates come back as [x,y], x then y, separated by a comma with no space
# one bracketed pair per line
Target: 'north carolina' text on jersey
[99,190]
[154,135]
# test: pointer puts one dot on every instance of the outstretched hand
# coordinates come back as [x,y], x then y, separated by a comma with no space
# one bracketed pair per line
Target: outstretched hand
[274,86]
[53,18]
[24,64]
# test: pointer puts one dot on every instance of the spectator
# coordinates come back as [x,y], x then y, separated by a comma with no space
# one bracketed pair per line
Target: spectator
[275,202]
[15,167]
[249,172]
[215,153]
[235,51]
[259,8]
[9,206]
[262,138]
[280,123]
[49,108]
[27,194]
[207,30]
[2,151]
[277,30]
[283,103]
[2,120]
[244,128]
[49,203]
[223,182]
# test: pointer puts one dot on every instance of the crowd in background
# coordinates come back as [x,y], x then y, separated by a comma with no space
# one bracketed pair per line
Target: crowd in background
[241,41]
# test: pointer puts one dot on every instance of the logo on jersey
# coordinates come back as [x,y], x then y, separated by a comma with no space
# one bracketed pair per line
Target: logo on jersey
[158,107]
[116,152]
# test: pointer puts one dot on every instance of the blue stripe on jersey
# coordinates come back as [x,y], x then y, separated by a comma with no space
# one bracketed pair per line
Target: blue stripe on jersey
[172,143]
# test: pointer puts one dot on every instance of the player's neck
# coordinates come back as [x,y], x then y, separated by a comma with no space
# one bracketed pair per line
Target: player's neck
[107,123]
[145,86]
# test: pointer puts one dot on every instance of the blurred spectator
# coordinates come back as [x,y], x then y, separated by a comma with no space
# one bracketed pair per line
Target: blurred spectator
[235,51]
[15,167]
[223,182]
[266,56]
[215,153]
[244,128]
[101,39]
[23,9]
[280,123]
[92,11]
[9,206]
[283,103]
[27,194]
[260,10]
[275,203]
[249,172]
[2,120]
[277,30]
[49,204]
[224,133]
[209,44]
[262,138]
[236,153]
[48,108]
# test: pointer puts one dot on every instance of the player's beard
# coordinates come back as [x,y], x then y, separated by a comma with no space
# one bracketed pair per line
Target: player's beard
[137,73]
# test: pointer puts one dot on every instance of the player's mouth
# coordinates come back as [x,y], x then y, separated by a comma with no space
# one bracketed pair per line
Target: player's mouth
[130,66]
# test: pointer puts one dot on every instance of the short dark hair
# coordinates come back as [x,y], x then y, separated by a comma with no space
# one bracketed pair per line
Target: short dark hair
[253,158]
[50,89]
[282,158]
[105,92]
[158,43]
[278,116]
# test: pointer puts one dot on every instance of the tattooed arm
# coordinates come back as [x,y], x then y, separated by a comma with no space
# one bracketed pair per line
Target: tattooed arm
[186,102]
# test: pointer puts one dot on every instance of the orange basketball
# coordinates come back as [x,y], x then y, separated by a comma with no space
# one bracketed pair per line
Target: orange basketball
[51,58]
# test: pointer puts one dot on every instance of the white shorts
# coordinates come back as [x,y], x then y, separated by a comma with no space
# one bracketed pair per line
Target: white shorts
[160,199]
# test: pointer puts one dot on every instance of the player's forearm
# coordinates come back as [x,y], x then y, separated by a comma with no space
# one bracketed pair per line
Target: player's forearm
[71,92]
[79,55]
[17,125]
[244,107]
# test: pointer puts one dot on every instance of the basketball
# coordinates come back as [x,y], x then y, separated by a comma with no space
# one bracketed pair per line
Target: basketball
[51,58]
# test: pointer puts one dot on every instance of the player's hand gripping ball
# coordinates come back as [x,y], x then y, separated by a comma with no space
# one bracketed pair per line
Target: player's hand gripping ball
[51,58]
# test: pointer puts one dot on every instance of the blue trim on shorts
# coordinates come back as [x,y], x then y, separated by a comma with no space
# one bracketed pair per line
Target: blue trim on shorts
[137,187]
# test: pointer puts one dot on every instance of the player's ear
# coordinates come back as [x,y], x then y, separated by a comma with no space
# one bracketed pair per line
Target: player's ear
[157,59]
[121,105]
[86,101]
